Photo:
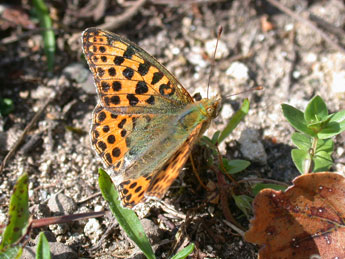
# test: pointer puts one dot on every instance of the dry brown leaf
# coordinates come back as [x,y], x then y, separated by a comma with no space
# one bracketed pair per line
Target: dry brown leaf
[306,220]
[266,25]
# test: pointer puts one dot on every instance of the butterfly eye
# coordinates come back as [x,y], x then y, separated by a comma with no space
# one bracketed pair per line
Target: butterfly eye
[210,110]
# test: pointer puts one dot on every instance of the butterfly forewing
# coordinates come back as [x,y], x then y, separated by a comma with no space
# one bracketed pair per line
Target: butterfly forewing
[128,79]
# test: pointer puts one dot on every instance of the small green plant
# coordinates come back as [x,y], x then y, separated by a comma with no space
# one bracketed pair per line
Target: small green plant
[19,225]
[6,106]
[228,166]
[314,140]
[10,246]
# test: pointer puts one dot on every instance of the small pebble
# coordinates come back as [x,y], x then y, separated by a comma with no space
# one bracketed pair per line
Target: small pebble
[62,204]
[251,146]
[151,230]
[57,250]
[93,229]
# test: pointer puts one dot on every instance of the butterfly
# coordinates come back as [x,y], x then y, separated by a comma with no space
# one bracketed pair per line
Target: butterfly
[145,123]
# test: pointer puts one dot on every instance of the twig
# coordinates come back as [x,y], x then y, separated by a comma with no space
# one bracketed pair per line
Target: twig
[37,223]
[14,38]
[171,210]
[114,22]
[89,198]
[175,2]
[234,227]
[26,130]
[308,23]
[327,26]
[262,180]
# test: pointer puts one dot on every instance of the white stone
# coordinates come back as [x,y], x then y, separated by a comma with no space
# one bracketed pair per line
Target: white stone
[222,50]
[226,112]
[311,57]
[340,151]
[338,82]
[238,71]
[261,37]
[98,208]
[93,229]
[289,27]
[175,51]
[296,74]
[195,57]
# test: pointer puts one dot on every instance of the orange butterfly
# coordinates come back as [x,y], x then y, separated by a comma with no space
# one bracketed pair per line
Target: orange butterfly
[145,123]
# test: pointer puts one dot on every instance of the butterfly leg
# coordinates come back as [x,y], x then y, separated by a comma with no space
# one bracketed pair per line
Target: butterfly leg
[195,171]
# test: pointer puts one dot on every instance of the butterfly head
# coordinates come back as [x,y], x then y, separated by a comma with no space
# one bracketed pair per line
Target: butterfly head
[211,106]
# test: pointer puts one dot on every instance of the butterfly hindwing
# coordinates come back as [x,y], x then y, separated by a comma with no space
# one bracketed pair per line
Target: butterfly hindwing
[166,175]
[158,182]
[133,145]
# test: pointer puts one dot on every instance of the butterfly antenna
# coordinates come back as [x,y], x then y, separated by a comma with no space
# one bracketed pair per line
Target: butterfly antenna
[257,88]
[220,30]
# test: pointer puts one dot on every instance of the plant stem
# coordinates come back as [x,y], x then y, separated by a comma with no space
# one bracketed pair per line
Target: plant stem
[309,164]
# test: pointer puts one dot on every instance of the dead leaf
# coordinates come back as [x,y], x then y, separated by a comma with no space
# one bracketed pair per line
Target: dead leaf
[14,17]
[266,25]
[306,220]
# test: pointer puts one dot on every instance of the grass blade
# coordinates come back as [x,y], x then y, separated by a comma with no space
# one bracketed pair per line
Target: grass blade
[43,249]
[127,219]
[235,120]
[48,33]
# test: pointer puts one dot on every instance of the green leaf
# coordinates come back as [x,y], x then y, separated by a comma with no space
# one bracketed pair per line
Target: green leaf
[302,141]
[12,252]
[18,214]
[260,186]
[6,106]
[127,219]
[204,140]
[296,119]
[209,144]
[316,110]
[301,159]
[184,252]
[234,120]
[322,161]
[215,137]
[326,145]
[244,203]
[317,126]
[43,249]
[335,125]
[235,166]
[47,33]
